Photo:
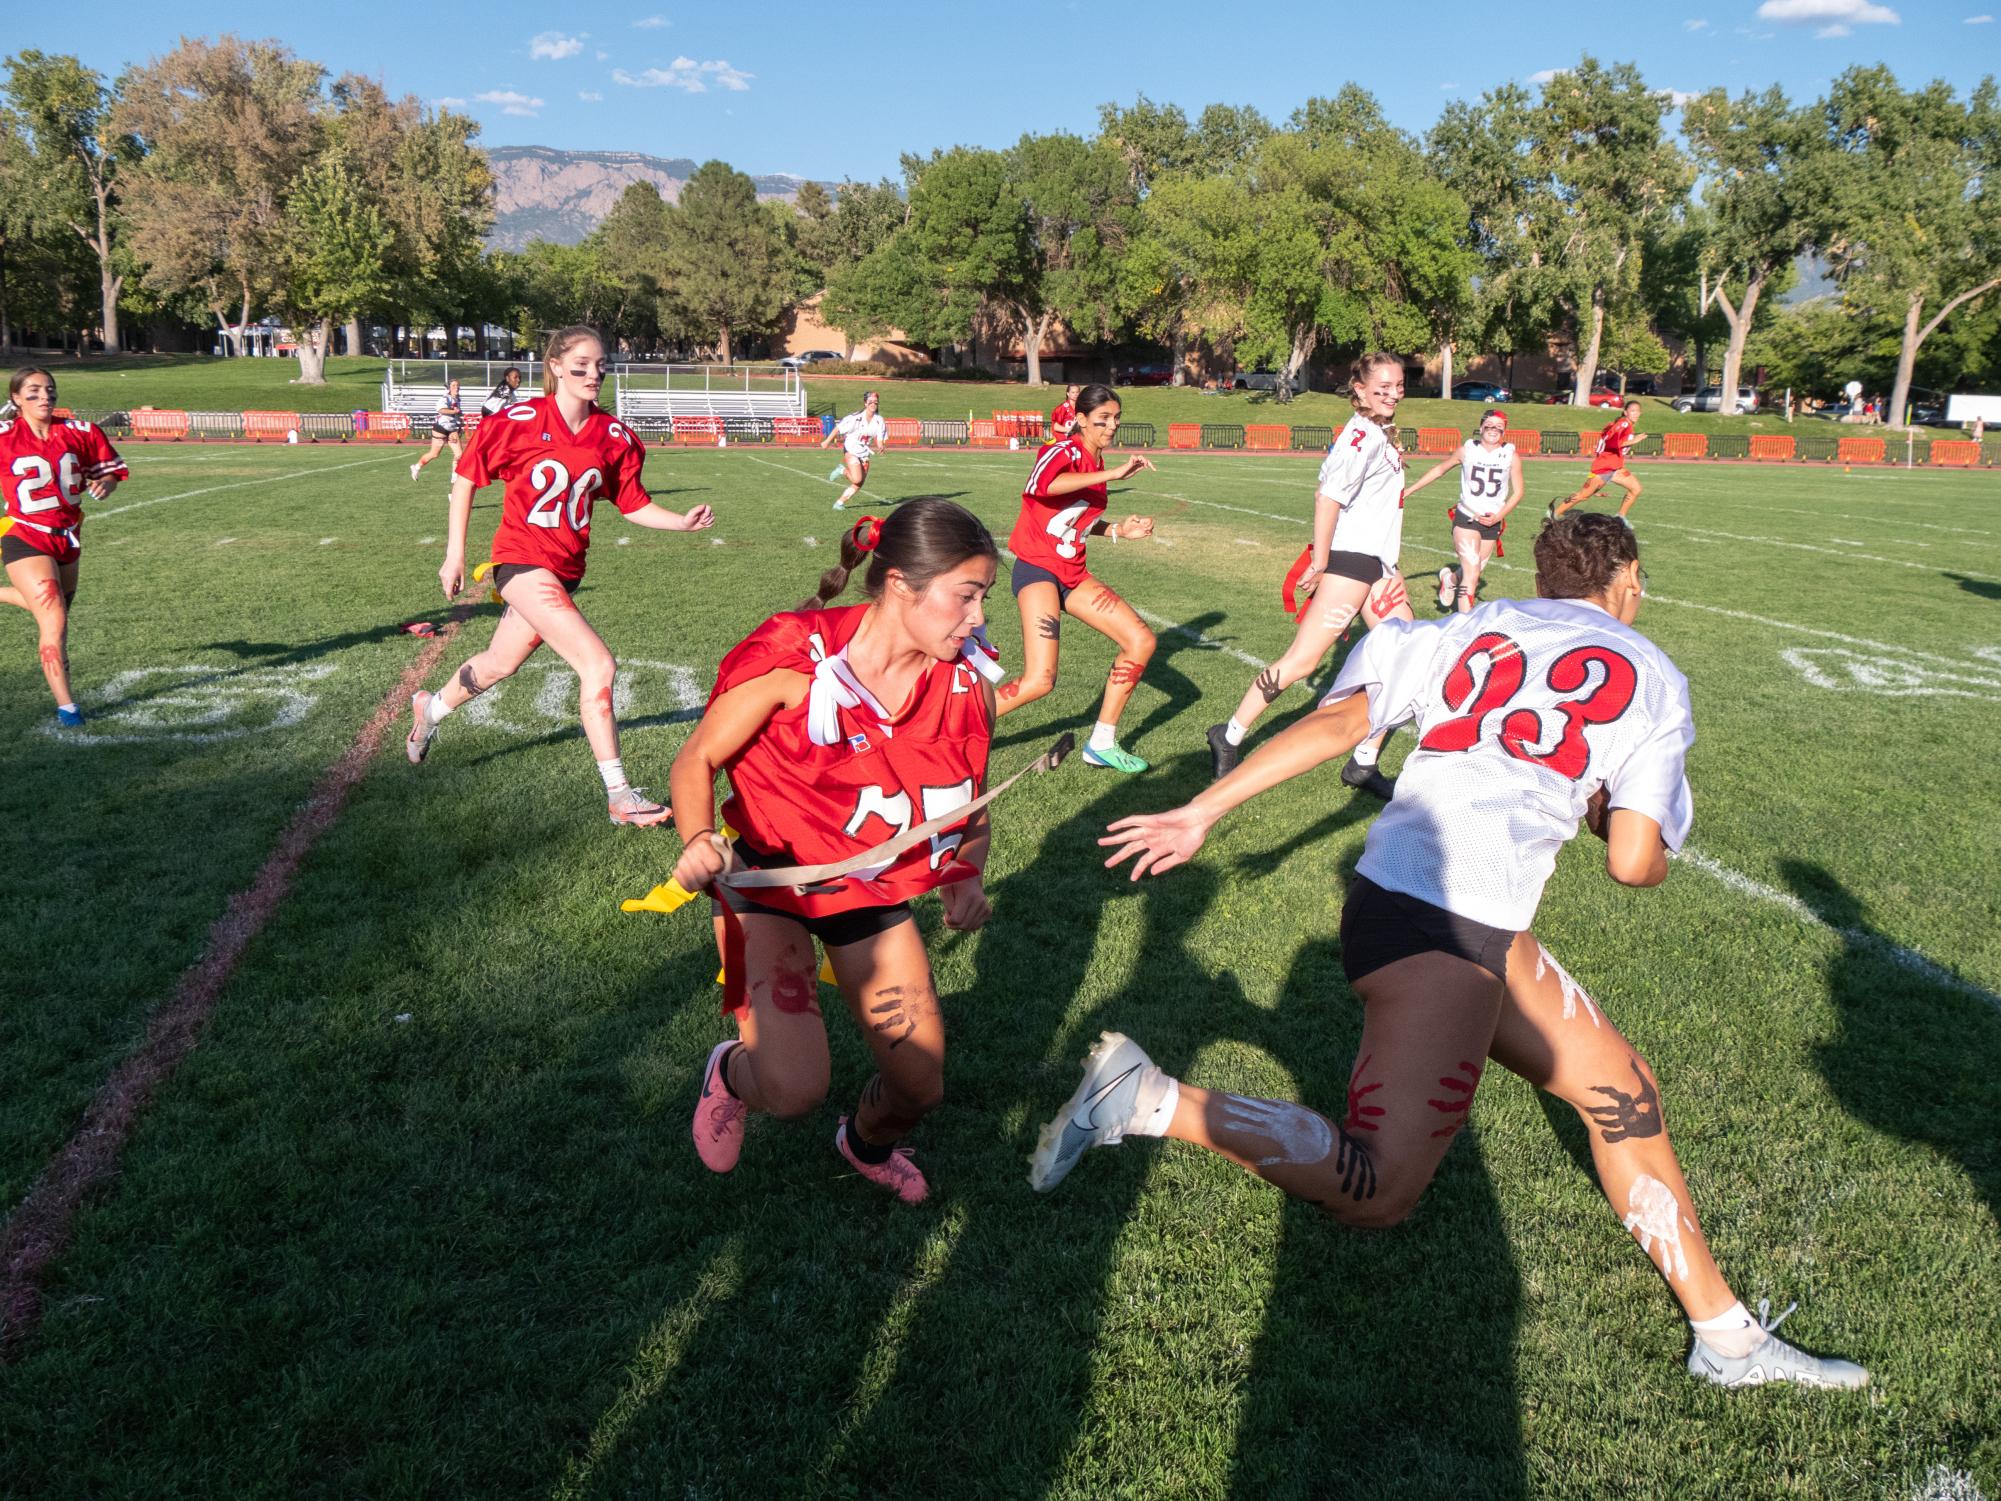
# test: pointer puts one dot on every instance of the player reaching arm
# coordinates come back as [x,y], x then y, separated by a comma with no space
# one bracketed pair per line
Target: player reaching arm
[1488,468]
[862,435]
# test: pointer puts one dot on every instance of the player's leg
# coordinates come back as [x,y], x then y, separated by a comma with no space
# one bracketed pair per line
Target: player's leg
[1552,1034]
[1041,607]
[779,1065]
[1336,601]
[437,447]
[1472,552]
[1387,599]
[1593,483]
[855,472]
[39,585]
[885,978]
[1630,483]
[1099,606]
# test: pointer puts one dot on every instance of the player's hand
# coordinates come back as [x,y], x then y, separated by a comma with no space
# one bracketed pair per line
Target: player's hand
[1595,812]
[1490,517]
[695,518]
[1160,840]
[1135,527]
[1132,466]
[700,864]
[452,575]
[966,906]
[100,489]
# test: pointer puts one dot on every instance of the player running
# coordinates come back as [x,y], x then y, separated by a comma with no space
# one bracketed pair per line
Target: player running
[861,434]
[1532,716]
[1608,462]
[446,427]
[506,391]
[47,465]
[1063,421]
[1489,468]
[841,728]
[555,455]
[1350,566]
[1062,504]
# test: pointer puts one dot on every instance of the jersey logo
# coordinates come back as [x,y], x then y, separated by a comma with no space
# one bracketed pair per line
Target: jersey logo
[858,744]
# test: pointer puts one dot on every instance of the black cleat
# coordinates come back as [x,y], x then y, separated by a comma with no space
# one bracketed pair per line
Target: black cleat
[1369,779]
[1223,756]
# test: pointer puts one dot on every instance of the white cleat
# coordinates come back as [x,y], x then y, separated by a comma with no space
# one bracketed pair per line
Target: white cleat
[417,744]
[415,470]
[1773,1360]
[1120,1085]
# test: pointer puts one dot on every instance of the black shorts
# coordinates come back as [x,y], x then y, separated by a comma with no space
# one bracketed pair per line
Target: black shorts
[837,929]
[1461,522]
[14,548]
[1362,567]
[1031,573]
[505,574]
[444,430]
[1379,927]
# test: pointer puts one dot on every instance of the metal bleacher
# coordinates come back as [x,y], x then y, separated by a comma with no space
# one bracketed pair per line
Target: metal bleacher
[650,397]
[417,386]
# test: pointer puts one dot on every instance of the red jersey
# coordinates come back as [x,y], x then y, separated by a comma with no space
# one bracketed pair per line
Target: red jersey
[44,481]
[1050,533]
[1611,451]
[1063,419]
[814,788]
[553,477]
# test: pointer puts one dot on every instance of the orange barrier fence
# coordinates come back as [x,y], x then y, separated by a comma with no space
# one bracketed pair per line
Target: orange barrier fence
[1527,440]
[1184,435]
[904,432]
[1861,451]
[379,427]
[796,432]
[987,434]
[1954,452]
[1770,446]
[270,427]
[1685,445]
[1267,435]
[1020,425]
[698,431]
[1439,439]
[167,426]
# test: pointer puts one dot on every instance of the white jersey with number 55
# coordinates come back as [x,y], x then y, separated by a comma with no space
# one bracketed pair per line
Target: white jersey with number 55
[1523,709]
[1485,477]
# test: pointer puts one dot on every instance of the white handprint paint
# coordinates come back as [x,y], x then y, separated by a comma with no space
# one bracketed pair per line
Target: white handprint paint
[1572,991]
[1654,1216]
[1299,1136]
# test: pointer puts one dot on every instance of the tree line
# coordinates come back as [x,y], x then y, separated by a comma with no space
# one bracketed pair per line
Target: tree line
[228,179]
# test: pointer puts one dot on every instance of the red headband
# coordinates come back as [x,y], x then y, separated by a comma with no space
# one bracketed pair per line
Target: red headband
[867,532]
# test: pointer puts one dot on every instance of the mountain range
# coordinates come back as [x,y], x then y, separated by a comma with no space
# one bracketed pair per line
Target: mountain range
[541,193]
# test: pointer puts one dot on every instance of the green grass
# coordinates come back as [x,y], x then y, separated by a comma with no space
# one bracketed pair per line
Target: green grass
[471,1252]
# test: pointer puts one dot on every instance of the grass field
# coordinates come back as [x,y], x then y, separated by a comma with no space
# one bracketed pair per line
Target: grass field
[420,1215]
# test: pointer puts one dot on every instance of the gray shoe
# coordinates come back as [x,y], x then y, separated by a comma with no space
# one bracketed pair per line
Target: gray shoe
[1772,1359]
[1105,1106]
[1223,756]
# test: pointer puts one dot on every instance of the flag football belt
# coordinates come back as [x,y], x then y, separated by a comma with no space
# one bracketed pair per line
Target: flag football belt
[1500,548]
[69,534]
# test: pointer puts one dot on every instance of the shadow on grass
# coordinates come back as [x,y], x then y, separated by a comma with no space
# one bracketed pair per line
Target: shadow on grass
[1914,1057]
[1985,588]
[1161,675]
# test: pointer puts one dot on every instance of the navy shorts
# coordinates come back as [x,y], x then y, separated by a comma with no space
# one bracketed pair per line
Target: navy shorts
[1379,927]
[1030,573]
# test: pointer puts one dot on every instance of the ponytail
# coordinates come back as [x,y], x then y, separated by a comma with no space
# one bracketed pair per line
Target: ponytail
[920,539]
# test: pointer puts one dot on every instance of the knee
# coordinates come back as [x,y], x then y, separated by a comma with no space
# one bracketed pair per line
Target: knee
[1383,1210]
[595,676]
[1141,646]
[790,1093]
[1034,684]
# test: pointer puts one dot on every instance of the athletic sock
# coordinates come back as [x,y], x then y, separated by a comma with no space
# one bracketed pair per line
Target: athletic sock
[866,1151]
[68,708]
[723,1072]
[1365,754]
[1154,1102]
[613,772]
[1104,736]
[1732,1332]
[436,710]
[1233,732]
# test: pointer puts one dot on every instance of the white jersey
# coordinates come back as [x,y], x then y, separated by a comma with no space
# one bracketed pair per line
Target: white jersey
[1486,477]
[1523,709]
[1363,474]
[498,401]
[862,435]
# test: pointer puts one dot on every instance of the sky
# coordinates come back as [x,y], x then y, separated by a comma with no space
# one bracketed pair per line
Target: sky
[831,91]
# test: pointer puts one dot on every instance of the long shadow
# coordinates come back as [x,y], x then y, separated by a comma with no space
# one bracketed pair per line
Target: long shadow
[1985,588]
[1914,1057]
[289,653]
[1161,675]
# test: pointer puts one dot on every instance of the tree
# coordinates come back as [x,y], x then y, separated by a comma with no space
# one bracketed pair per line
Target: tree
[77,157]
[1756,157]
[1079,207]
[1911,206]
[631,246]
[338,259]
[1150,140]
[727,271]
[440,205]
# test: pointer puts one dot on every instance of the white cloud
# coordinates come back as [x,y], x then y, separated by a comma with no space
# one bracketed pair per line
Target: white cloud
[590,96]
[1695,26]
[553,46]
[1980,20]
[686,73]
[603,56]
[1833,17]
[451,101]
[1547,74]
[511,103]
[651,23]
[1676,98]
[1448,87]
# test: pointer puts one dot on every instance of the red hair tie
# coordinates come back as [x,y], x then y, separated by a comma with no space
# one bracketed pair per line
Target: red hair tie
[867,532]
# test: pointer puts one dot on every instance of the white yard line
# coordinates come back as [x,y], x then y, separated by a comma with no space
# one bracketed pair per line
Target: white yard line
[269,479]
[1653,524]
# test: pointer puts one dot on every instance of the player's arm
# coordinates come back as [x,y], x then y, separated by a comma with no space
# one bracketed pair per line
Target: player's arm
[1518,487]
[458,515]
[656,517]
[1165,840]
[1073,480]
[725,729]
[1431,474]
[1635,852]
[1131,529]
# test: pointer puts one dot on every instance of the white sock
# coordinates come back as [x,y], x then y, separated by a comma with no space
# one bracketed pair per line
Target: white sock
[1233,732]
[435,710]
[613,772]
[1732,1332]
[1366,753]
[1153,1104]
[68,708]
[1104,736]
[847,494]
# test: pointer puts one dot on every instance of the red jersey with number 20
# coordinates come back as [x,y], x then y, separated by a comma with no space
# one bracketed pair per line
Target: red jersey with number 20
[1050,532]
[553,477]
[1612,443]
[841,772]
[44,481]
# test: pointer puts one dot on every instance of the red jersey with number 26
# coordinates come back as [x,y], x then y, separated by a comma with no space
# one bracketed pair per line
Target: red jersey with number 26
[553,478]
[812,788]
[1050,532]
[1612,446]
[45,481]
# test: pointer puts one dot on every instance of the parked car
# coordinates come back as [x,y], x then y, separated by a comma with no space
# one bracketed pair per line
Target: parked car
[1254,380]
[809,357]
[1710,399]
[1479,390]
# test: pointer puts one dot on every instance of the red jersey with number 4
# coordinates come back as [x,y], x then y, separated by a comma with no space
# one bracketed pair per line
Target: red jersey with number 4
[810,793]
[1050,531]
[553,478]
[44,480]
[1611,453]
[1063,419]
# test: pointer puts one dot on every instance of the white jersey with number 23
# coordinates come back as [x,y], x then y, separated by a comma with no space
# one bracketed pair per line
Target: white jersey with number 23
[1523,708]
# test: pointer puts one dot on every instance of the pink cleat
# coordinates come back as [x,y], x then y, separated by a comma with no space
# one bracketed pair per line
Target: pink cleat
[718,1126]
[635,809]
[899,1174]
[422,731]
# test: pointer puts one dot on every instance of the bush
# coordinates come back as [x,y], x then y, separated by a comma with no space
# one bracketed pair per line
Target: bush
[877,370]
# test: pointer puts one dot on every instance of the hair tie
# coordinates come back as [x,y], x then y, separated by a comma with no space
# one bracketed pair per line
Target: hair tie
[867,532]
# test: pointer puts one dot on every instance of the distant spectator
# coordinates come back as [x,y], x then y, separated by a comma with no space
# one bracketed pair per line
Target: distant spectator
[1979,429]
